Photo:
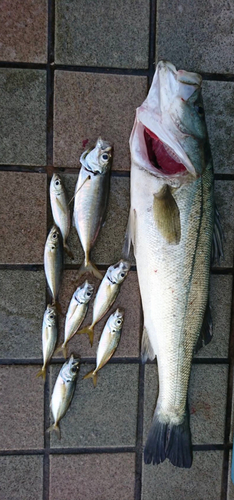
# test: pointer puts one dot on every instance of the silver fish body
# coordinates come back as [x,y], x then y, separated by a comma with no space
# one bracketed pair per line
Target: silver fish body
[49,337]
[108,343]
[60,208]
[77,310]
[107,294]
[91,197]
[171,224]
[63,391]
[53,261]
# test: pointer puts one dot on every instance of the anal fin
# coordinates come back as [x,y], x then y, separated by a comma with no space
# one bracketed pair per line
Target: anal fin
[147,351]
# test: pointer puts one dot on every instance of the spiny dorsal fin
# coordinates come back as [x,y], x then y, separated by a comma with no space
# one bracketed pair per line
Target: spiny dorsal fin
[218,238]
[167,215]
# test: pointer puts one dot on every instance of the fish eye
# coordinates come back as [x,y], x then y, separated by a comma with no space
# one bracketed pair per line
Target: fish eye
[119,322]
[51,316]
[122,275]
[88,294]
[57,183]
[199,109]
[55,236]
[105,156]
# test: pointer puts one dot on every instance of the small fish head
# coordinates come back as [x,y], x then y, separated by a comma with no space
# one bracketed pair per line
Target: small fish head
[56,184]
[98,160]
[69,370]
[118,272]
[50,317]
[54,238]
[116,320]
[170,125]
[84,293]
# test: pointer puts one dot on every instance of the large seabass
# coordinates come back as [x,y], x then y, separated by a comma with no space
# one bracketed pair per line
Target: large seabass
[171,227]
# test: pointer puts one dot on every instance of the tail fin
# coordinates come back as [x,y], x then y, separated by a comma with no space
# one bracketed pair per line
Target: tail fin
[169,441]
[156,443]
[90,331]
[67,250]
[92,375]
[55,427]
[179,447]
[62,348]
[42,373]
[88,267]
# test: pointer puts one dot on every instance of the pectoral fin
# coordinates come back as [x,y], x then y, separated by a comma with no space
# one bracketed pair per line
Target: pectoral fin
[167,215]
[218,238]
[60,206]
[206,333]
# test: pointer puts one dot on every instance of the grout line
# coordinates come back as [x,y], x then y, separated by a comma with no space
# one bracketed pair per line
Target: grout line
[71,451]
[114,361]
[216,77]
[228,405]
[152,39]
[140,427]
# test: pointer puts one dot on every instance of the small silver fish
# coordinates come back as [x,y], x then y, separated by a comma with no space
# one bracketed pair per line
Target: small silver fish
[108,343]
[53,261]
[60,209]
[107,294]
[76,312]
[63,392]
[91,196]
[49,337]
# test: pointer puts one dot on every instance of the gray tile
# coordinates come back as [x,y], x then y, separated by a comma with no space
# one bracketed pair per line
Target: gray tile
[104,416]
[90,105]
[202,481]
[196,36]
[100,476]
[21,477]
[23,33]
[23,115]
[23,204]
[207,401]
[224,197]
[220,301]
[90,34]
[22,408]
[108,247]
[128,300]
[219,108]
[22,304]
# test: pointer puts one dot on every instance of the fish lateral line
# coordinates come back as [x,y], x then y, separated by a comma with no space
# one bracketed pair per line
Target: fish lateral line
[86,179]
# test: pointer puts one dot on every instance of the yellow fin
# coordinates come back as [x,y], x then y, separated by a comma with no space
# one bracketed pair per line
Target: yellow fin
[89,330]
[42,373]
[167,215]
[56,428]
[68,251]
[93,375]
[88,267]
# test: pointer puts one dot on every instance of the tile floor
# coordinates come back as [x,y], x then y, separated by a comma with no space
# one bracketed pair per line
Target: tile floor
[69,71]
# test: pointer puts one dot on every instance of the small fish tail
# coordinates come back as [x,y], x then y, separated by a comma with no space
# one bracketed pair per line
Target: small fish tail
[42,373]
[90,331]
[68,251]
[55,427]
[88,267]
[61,348]
[93,375]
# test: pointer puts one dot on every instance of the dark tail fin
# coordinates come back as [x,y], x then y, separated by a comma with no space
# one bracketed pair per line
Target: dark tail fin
[156,443]
[42,373]
[169,441]
[179,447]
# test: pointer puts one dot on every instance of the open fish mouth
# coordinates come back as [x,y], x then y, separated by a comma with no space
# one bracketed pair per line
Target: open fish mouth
[156,141]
